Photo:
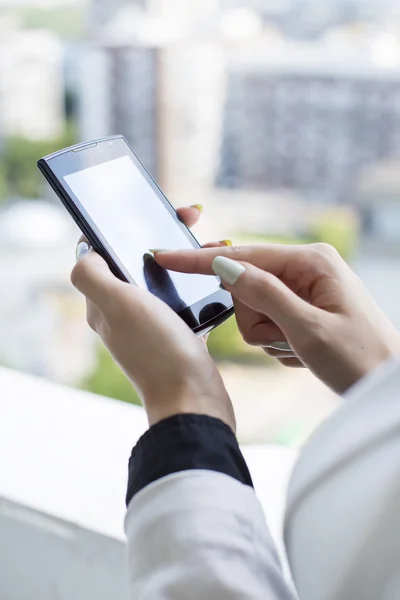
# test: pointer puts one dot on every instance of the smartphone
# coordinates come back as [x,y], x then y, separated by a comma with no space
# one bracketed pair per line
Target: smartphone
[124,214]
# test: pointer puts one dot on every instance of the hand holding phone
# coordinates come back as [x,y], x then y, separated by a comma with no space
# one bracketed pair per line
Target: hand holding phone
[124,214]
[170,368]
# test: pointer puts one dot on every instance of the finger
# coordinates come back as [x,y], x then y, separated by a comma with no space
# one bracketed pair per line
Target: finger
[272,258]
[190,215]
[222,244]
[265,294]
[280,346]
[204,338]
[255,329]
[92,276]
[292,363]
[262,334]
[93,315]
[160,283]
[278,353]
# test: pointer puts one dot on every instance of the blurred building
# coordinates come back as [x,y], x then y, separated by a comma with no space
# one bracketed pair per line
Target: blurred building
[119,94]
[145,78]
[31,83]
[377,195]
[309,117]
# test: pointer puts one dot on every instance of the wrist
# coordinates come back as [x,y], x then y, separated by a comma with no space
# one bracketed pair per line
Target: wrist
[367,364]
[164,404]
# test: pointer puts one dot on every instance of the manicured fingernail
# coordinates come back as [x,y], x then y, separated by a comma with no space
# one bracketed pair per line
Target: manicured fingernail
[281,346]
[227,269]
[199,207]
[82,249]
[155,251]
[148,258]
[226,242]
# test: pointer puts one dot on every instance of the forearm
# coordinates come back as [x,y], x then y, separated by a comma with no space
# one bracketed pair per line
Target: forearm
[194,525]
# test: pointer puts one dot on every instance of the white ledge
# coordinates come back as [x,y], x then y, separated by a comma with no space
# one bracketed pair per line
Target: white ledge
[65,454]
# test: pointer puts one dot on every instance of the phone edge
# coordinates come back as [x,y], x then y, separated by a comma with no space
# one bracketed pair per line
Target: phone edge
[82,146]
[45,169]
[214,323]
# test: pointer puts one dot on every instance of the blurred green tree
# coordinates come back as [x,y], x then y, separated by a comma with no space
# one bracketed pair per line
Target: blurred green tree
[337,227]
[226,344]
[66,21]
[3,184]
[107,379]
[19,176]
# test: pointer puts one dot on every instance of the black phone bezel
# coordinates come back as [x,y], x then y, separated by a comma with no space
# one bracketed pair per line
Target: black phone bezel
[55,167]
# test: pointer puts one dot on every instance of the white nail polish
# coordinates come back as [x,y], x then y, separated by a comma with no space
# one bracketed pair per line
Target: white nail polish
[82,249]
[284,346]
[227,269]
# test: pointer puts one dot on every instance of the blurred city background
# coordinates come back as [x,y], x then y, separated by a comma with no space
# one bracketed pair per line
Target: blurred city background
[281,117]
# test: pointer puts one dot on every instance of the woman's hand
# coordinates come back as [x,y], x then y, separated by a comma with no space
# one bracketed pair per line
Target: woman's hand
[304,296]
[168,365]
[190,216]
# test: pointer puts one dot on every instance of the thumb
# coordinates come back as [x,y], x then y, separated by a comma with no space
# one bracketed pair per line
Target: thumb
[91,275]
[264,293]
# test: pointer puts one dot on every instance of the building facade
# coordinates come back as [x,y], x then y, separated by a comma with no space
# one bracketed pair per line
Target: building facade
[120,96]
[309,129]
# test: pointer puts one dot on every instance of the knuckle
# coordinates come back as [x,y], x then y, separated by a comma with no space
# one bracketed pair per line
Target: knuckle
[235,252]
[248,336]
[325,250]
[198,263]
[254,338]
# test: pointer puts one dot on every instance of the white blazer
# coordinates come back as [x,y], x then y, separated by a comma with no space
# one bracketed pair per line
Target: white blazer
[202,535]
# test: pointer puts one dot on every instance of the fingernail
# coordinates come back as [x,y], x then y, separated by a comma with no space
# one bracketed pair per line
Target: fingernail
[147,258]
[281,346]
[155,251]
[199,207]
[227,269]
[226,242]
[82,249]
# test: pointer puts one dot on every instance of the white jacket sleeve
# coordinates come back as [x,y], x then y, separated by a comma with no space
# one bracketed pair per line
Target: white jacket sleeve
[201,535]
[343,520]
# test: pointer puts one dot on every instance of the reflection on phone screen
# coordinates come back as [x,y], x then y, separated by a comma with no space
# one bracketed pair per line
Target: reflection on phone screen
[132,219]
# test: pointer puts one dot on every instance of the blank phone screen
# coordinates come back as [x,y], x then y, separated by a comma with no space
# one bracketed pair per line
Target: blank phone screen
[133,220]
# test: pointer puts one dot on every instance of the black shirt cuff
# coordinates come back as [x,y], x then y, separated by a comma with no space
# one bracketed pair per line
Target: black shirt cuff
[184,443]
